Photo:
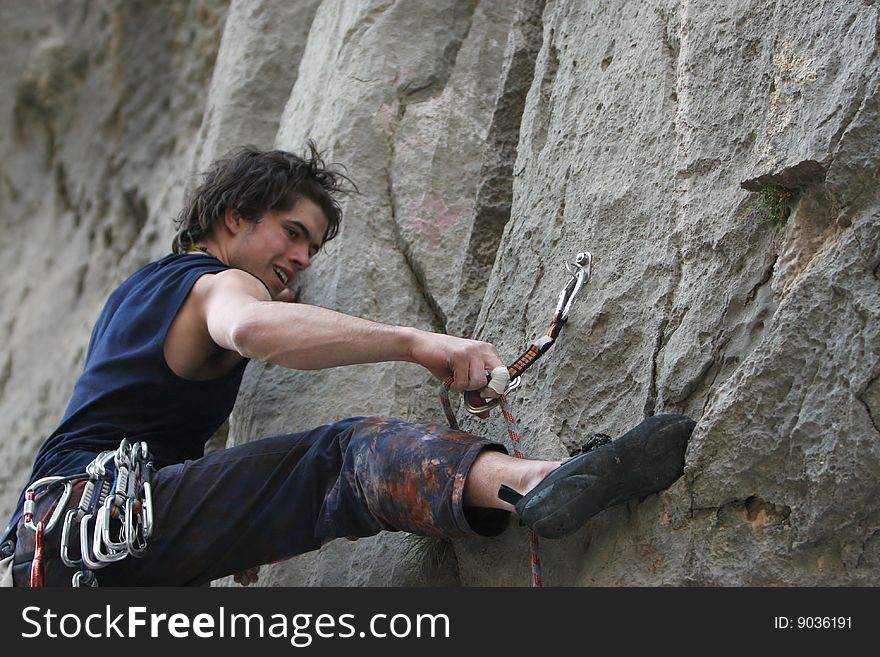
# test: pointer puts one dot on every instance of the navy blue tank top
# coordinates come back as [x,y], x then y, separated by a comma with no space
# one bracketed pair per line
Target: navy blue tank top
[127,389]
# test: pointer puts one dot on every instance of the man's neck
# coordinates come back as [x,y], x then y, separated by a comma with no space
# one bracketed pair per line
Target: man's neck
[199,248]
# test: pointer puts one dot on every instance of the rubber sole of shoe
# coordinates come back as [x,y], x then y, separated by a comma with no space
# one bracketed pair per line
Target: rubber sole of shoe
[645,460]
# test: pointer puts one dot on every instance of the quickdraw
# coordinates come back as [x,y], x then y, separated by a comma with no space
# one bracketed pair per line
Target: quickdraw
[580,270]
[120,502]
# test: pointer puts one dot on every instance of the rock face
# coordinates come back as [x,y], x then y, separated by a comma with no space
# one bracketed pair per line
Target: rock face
[721,163]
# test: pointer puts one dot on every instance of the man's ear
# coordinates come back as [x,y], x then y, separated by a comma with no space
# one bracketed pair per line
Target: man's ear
[233,220]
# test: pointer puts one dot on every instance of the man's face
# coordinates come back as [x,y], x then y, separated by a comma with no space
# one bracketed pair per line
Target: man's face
[280,245]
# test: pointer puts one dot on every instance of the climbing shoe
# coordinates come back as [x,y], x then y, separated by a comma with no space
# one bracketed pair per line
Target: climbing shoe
[645,460]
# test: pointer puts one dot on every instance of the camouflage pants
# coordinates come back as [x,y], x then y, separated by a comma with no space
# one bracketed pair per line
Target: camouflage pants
[278,497]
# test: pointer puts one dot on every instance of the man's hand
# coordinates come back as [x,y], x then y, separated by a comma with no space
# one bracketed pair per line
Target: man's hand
[465,362]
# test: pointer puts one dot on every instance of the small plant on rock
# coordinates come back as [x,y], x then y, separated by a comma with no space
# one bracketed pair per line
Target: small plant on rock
[772,204]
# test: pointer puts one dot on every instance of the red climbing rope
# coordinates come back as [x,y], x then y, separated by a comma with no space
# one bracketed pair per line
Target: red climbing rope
[513,432]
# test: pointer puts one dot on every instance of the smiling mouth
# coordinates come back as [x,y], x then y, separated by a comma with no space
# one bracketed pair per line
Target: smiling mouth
[281,276]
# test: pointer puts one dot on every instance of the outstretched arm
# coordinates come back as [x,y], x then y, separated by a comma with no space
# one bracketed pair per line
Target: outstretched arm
[240,317]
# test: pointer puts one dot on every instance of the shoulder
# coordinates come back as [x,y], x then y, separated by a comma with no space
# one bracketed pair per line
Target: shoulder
[230,283]
[196,346]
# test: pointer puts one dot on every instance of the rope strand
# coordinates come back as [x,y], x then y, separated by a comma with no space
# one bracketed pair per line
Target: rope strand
[513,432]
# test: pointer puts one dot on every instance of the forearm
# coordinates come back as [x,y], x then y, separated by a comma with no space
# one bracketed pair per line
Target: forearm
[239,317]
[307,337]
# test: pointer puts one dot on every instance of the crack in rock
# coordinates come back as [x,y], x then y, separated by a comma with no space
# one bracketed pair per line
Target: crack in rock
[651,401]
[870,399]
[797,177]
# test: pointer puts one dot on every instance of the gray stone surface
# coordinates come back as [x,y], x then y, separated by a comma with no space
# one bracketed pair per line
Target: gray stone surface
[99,108]
[490,141]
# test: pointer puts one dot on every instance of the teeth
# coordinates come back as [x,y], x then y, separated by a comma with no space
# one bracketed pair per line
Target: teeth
[281,276]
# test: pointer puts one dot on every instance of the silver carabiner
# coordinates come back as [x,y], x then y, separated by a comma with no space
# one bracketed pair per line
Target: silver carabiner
[580,272]
[136,545]
[30,504]
[97,469]
[103,520]
[84,578]
[65,539]
[147,509]
[84,546]
[492,403]
[110,555]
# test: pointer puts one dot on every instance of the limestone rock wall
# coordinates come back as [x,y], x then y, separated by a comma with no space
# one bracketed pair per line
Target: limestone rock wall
[99,108]
[490,141]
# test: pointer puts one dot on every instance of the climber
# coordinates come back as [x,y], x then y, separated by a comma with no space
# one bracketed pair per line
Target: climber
[164,365]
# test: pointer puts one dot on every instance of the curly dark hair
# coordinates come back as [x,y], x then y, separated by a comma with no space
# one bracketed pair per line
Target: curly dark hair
[253,182]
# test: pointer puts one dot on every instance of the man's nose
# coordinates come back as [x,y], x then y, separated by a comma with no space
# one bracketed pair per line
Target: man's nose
[299,256]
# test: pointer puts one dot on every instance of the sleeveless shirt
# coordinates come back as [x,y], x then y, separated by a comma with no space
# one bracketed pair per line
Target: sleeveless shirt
[128,390]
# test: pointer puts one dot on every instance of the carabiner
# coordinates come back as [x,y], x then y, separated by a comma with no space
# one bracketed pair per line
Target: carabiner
[580,275]
[98,542]
[147,509]
[65,540]
[30,502]
[492,403]
[135,541]
[84,578]
[85,547]
[97,469]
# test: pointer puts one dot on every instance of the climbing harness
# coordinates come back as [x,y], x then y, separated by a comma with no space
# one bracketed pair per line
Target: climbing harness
[580,271]
[118,499]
